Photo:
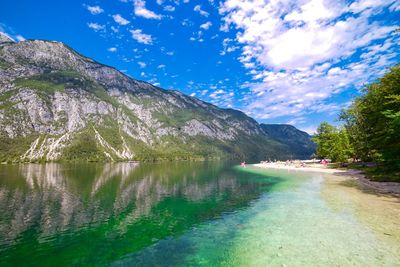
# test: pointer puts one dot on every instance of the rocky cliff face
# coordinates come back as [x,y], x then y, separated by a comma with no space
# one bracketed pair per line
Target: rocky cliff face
[57,104]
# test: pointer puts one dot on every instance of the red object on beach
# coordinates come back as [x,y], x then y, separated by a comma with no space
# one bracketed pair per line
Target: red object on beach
[243,164]
[324,161]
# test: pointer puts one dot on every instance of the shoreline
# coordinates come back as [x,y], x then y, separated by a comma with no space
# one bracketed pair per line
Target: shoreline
[364,184]
[312,168]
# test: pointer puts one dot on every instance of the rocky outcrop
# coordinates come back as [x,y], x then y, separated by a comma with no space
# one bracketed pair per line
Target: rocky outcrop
[58,104]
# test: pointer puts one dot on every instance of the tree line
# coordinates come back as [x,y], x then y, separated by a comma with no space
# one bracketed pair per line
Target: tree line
[371,126]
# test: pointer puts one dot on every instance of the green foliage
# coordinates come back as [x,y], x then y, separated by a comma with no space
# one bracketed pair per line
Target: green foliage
[333,143]
[171,148]
[358,133]
[52,82]
[84,148]
[47,84]
[382,173]
[42,85]
[324,139]
[11,149]
[5,102]
[110,132]
[4,64]
[371,129]
[373,121]
[342,149]
[180,116]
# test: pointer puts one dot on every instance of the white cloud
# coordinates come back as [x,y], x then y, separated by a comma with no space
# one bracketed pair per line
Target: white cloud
[187,23]
[114,29]
[120,20]
[206,25]
[228,47]
[141,37]
[20,38]
[197,37]
[95,10]
[142,64]
[141,10]
[197,8]
[395,6]
[299,53]
[169,8]
[311,130]
[161,66]
[217,94]
[296,121]
[112,49]
[203,92]
[96,27]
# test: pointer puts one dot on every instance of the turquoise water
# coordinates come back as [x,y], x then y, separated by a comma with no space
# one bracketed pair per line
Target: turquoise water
[290,226]
[179,214]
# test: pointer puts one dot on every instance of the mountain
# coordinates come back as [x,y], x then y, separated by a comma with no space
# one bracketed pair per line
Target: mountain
[56,104]
[298,142]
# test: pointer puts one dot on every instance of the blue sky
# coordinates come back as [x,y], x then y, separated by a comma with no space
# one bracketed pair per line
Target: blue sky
[283,61]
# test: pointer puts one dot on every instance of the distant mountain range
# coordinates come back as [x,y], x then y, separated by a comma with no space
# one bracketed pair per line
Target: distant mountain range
[298,142]
[56,104]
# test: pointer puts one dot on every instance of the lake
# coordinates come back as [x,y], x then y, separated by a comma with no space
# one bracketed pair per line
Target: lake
[190,214]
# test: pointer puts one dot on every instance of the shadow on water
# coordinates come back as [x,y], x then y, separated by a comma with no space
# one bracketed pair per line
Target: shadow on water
[380,189]
[95,214]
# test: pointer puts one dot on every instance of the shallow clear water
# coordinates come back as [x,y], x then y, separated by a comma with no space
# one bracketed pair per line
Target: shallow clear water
[182,214]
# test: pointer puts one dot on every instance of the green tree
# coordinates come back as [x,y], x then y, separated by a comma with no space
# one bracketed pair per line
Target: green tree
[341,148]
[357,133]
[324,139]
[373,121]
[333,143]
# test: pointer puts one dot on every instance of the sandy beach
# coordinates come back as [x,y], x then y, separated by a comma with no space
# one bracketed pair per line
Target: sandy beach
[309,167]
[357,176]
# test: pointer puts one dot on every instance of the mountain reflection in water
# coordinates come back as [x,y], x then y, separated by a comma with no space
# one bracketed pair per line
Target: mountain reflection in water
[97,213]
